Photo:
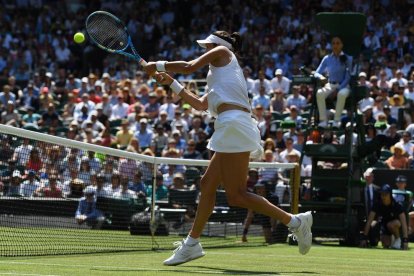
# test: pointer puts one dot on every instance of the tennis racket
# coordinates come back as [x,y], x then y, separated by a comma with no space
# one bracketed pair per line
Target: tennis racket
[109,33]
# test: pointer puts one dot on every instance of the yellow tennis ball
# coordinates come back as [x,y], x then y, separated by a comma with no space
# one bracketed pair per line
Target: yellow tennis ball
[79,37]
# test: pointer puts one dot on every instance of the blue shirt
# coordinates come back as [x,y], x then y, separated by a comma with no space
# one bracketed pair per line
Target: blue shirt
[88,209]
[264,101]
[144,138]
[337,70]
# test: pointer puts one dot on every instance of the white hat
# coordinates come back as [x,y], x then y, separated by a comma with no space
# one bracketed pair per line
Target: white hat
[214,39]
[84,79]
[362,74]
[98,83]
[368,172]
[48,74]
[106,75]
[278,72]
[143,121]
[94,113]
[16,173]
[89,190]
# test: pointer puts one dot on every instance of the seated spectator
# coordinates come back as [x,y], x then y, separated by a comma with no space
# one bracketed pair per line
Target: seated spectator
[162,191]
[35,161]
[124,192]
[76,187]
[115,185]
[261,99]
[137,184]
[100,190]
[159,139]
[144,134]
[10,116]
[127,167]
[178,182]
[190,152]
[278,103]
[280,82]
[406,144]
[294,116]
[289,148]
[87,211]
[49,117]
[29,186]
[398,160]
[14,188]
[124,135]
[393,220]
[296,99]
[52,190]
[30,118]
[269,174]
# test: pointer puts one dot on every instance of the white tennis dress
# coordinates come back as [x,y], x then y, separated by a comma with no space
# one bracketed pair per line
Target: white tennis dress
[234,130]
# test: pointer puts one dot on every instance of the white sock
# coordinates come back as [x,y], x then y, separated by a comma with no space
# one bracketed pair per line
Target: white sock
[190,241]
[294,222]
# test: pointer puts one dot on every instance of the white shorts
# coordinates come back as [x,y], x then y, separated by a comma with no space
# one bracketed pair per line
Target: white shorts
[236,131]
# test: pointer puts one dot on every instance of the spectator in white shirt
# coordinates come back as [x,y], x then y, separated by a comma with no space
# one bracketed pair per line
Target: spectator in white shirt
[409,91]
[261,81]
[77,112]
[169,107]
[280,82]
[119,110]
[249,81]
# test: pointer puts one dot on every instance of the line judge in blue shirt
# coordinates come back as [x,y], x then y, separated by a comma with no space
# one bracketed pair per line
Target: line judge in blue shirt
[337,66]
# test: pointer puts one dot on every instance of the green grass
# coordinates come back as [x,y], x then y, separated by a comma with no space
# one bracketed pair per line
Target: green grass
[265,260]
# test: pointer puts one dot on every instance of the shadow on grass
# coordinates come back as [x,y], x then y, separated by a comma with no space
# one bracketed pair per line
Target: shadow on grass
[202,270]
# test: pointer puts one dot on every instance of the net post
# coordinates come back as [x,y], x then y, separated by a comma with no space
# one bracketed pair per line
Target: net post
[294,187]
[152,222]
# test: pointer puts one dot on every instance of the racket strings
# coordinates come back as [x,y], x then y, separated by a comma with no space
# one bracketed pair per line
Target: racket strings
[107,32]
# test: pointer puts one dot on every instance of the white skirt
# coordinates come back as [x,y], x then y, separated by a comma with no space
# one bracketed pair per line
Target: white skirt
[236,131]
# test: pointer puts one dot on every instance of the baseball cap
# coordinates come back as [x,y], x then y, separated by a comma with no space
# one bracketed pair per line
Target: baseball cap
[48,74]
[152,95]
[143,121]
[362,74]
[401,178]
[278,72]
[178,175]
[386,189]
[45,90]
[106,75]
[31,172]
[186,106]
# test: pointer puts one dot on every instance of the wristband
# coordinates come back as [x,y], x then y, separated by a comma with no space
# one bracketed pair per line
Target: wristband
[176,87]
[160,65]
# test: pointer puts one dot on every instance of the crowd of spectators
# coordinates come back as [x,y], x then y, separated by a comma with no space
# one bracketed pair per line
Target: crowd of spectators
[52,85]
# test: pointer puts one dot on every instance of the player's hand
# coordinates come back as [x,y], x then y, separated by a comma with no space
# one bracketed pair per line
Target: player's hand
[163,78]
[150,68]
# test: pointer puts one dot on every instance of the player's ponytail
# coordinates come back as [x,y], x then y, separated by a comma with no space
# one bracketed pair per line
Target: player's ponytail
[237,42]
[234,39]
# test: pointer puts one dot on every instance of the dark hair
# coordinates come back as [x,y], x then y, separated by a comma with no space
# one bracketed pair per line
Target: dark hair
[234,39]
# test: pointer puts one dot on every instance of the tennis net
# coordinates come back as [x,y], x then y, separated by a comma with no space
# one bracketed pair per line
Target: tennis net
[60,196]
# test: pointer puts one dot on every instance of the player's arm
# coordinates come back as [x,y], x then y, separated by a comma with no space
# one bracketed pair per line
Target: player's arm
[188,67]
[199,103]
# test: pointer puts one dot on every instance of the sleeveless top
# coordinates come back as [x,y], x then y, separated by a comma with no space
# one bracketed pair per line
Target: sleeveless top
[226,84]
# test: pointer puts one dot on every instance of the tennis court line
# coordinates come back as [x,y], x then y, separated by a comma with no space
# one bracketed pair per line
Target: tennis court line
[26,274]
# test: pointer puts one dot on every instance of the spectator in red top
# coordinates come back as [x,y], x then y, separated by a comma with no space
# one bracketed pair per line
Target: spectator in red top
[52,190]
[94,97]
[35,162]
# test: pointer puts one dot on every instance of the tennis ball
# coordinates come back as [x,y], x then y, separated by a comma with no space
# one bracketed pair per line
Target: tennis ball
[79,37]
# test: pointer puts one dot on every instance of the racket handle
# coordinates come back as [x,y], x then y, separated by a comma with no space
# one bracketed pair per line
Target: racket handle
[142,62]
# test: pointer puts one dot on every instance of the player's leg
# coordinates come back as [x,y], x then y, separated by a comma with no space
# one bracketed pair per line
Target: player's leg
[233,169]
[247,223]
[190,248]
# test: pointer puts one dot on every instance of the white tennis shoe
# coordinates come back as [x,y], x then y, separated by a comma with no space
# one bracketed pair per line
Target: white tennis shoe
[303,234]
[185,253]
[396,244]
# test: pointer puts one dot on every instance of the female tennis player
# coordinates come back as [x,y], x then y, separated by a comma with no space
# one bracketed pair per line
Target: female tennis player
[236,137]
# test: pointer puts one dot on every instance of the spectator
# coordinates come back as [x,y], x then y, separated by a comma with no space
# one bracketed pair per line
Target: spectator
[280,82]
[14,188]
[296,99]
[52,190]
[137,185]
[35,161]
[87,211]
[124,135]
[115,184]
[161,192]
[397,160]
[261,99]
[29,186]
[144,135]
[261,82]
[278,103]
[124,192]
[159,140]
